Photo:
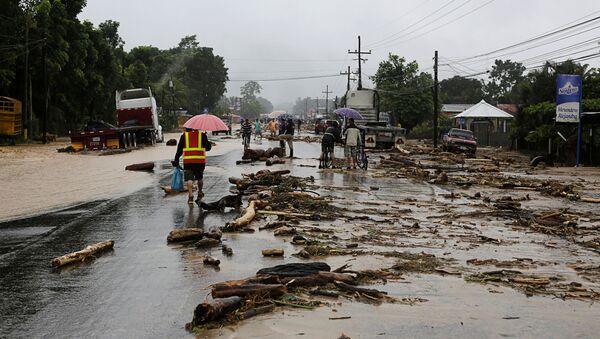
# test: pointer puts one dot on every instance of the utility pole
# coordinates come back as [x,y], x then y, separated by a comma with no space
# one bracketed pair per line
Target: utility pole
[435,99]
[25,116]
[306,107]
[317,105]
[360,60]
[348,73]
[327,100]
[46,90]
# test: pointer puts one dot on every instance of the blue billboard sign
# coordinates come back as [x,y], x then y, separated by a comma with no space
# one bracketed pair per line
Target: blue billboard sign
[568,97]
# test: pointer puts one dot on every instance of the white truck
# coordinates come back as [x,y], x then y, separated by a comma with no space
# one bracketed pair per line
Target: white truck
[378,132]
[137,117]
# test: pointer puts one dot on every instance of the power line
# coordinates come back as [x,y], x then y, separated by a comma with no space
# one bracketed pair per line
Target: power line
[444,24]
[291,78]
[543,36]
[391,42]
[413,24]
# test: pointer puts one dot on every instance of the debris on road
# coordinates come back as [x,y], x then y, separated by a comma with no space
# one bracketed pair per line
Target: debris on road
[81,256]
[145,166]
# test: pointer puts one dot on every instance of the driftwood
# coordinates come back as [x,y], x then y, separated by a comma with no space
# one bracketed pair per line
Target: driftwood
[256,311]
[274,161]
[273,252]
[84,254]
[326,293]
[273,290]
[257,279]
[172,142]
[257,154]
[295,269]
[208,260]
[287,214]
[591,200]
[368,291]
[233,201]
[216,309]
[185,234]
[207,242]
[307,281]
[145,166]
[247,217]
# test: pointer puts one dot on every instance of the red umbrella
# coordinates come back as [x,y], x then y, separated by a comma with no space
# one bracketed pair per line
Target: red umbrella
[206,122]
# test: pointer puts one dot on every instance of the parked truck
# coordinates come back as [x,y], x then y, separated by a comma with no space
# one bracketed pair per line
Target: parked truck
[137,123]
[378,132]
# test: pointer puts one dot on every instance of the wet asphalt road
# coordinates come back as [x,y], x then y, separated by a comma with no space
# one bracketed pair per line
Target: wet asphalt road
[144,288]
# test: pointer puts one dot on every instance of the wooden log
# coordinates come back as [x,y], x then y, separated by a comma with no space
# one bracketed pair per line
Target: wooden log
[207,242]
[256,311]
[343,277]
[185,234]
[273,252]
[247,217]
[250,289]
[368,291]
[257,279]
[208,260]
[81,256]
[295,269]
[286,214]
[274,161]
[591,200]
[145,166]
[171,142]
[325,293]
[216,309]
[307,281]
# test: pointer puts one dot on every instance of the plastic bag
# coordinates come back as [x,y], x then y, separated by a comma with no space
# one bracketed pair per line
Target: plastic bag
[177,179]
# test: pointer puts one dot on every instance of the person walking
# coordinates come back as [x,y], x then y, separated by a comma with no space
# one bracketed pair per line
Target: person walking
[282,128]
[288,135]
[272,127]
[299,122]
[352,136]
[193,146]
[246,133]
[257,129]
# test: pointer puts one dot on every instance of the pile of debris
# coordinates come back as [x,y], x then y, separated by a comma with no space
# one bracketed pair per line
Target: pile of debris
[237,300]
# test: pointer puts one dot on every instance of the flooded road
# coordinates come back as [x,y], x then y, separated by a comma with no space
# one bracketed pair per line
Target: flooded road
[146,288]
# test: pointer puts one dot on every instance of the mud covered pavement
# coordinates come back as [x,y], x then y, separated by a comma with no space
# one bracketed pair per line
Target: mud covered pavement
[457,247]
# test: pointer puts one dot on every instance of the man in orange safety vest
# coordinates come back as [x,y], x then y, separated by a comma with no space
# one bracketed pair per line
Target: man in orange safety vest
[193,146]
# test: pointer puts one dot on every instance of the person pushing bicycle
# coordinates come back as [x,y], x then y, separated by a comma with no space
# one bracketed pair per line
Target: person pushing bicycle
[330,137]
[246,133]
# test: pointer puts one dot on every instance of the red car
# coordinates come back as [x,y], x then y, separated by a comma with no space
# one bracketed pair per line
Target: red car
[320,126]
[460,140]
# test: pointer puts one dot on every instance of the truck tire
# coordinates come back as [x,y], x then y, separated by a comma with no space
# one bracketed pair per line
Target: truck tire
[124,140]
[133,140]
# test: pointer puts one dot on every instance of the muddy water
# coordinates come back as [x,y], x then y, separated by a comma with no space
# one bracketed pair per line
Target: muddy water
[146,288]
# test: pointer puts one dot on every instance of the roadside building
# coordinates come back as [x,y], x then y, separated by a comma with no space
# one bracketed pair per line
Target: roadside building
[490,125]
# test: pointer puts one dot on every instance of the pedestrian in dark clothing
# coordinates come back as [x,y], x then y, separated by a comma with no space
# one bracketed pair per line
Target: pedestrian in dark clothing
[299,122]
[288,135]
[193,145]
[282,128]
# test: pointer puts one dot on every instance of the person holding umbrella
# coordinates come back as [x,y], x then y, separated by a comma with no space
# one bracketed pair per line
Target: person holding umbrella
[352,134]
[193,145]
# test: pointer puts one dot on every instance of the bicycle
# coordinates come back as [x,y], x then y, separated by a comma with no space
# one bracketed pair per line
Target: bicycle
[327,160]
[246,141]
[360,157]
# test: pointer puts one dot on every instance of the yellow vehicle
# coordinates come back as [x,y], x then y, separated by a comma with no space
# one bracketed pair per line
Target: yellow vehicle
[10,117]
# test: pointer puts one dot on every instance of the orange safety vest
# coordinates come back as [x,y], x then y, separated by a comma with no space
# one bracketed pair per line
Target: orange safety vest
[193,152]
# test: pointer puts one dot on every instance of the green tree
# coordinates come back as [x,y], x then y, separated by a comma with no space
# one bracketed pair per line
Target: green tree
[265,105]
[404,90]
[205,75]
[503,78]
[251,107]
[137,73]
[461,90]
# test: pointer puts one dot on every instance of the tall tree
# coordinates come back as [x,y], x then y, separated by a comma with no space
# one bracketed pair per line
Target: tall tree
[503,78]
[461,90]
[205,75]
[404,90]
[251,107]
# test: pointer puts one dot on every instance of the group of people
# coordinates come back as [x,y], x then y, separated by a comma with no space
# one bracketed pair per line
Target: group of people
[194,144]
[351,140]
[285,130]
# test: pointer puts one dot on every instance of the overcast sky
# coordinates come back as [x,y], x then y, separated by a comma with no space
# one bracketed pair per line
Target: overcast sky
[274,39]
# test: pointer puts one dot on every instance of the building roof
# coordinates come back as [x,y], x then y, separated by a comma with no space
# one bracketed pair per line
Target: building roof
[484,110]
[455,108]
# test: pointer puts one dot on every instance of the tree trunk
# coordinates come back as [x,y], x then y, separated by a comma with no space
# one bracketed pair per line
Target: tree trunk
[145,166]
[273,252]
[249,289]
[84,254]
[185,234]
[218,308]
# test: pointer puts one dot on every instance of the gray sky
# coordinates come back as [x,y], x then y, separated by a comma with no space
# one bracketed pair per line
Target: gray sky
[273,39]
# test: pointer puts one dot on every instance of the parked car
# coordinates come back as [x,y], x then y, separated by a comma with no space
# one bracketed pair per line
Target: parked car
[226,132]
[320,126]
[460,140]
